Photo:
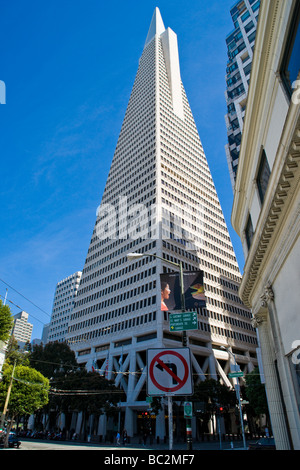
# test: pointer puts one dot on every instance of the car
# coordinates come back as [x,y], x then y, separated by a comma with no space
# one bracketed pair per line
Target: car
[265,443]
[13,440]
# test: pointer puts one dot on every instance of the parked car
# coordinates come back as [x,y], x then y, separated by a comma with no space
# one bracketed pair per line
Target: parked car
[265,443]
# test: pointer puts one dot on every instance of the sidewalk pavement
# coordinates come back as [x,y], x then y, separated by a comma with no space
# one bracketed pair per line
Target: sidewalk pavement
[177,446]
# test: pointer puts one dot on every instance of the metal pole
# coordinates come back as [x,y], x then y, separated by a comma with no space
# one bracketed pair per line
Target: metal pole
[170,414]
[219,428]
[8,391]
[189,440]
[6,403]
[5,298]
[241,412]
[184,335]
[237,390]
[182,288]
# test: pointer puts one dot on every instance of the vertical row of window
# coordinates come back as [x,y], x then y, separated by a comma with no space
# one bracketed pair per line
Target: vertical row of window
[132,176]
[262,180]
[290,73]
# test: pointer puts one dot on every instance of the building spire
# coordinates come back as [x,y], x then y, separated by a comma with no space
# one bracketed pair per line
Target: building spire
[156,26]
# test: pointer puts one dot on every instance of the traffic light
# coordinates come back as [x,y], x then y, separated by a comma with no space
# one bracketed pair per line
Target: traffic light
[219,409]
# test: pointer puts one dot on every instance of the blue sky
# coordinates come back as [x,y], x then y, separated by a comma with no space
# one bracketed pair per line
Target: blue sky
[69,67]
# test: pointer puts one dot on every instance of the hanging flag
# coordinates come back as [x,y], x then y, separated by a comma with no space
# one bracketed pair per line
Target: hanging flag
[121,359]
[95,366]
[106,365]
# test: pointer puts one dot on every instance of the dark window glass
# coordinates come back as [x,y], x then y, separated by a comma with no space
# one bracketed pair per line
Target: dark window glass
[263,176]
[291,61]
[249,232]
[249,26]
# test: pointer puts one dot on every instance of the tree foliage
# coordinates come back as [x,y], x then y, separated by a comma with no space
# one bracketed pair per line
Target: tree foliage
[53,359]
[16,355]
[6,322]
[72,387]
[213,393]
[29,390]
[84,391]
[255,392]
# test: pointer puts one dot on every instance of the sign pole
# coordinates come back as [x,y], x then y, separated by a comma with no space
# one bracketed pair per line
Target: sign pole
[189,441]
[184,335]
[170,414]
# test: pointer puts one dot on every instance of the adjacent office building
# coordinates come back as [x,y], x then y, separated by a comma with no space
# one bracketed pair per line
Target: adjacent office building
[64,298]
[22,330]
[266,210]
[159,201]
[240,44]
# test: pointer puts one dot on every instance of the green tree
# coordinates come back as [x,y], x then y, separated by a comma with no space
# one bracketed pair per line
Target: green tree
[6,322]
[29,392]
[86,392]
[255,393]
[53,359]
[212,393]
[16,355]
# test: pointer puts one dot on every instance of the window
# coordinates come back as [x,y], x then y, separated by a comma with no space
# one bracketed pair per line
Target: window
[290,67]
[249,232]
[256,6]
[263,176]
[245,16]
[249,26]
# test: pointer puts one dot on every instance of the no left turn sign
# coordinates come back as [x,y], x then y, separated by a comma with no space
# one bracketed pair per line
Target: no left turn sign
[169,372]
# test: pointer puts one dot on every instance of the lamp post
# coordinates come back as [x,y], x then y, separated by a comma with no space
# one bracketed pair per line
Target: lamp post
[132,256]
[238,395]
[6,404]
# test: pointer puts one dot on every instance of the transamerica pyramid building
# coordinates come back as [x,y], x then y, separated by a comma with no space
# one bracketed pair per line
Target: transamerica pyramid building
[159,200]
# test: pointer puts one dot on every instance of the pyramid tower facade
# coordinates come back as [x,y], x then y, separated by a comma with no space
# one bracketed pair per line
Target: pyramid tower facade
[159,199]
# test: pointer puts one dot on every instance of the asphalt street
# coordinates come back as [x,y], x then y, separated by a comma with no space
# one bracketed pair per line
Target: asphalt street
[28,444]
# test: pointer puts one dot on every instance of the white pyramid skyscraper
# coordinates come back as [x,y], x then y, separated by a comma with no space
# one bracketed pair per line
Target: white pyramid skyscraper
[160,199]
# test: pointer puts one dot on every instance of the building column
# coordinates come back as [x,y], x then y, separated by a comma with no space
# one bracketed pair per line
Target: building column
[61,422]
[160,424]
[129,421]
[212,363]
[78,424]
[30,424]
[276,409]
[102,426]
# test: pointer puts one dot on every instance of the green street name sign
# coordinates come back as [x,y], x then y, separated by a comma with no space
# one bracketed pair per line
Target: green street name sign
[231,375]
[188,409]
[183,321]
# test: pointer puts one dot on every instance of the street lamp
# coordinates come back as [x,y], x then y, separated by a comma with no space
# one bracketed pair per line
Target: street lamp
[133,256]
[238,395]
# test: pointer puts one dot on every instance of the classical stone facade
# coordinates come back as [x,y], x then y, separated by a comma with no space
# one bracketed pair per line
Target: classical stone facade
[266,210]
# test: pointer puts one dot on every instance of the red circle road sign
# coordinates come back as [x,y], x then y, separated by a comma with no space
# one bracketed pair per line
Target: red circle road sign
[180,382]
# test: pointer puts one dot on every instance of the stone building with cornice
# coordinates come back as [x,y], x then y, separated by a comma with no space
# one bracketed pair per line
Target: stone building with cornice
[266,210]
